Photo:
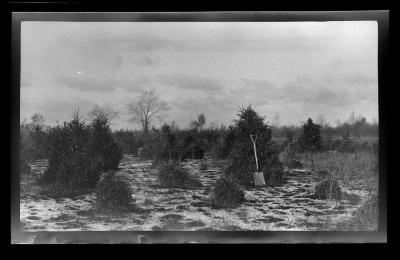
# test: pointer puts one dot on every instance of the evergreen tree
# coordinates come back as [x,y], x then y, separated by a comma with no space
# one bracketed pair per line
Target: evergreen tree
[242,155]
[311,137]
[79,153]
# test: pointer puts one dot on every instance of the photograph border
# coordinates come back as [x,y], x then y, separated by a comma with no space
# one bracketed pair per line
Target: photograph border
[380,236]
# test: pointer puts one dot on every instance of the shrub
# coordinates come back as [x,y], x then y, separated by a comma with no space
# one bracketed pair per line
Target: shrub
[174,176]
[78,155]
[113,194]
[328,189]
[227,192]
[102,144]
[68,154]
[311,137]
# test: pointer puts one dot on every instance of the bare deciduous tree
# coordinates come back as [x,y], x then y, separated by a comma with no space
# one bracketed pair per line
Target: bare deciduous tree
[37,121]
[145,109]
[102,112]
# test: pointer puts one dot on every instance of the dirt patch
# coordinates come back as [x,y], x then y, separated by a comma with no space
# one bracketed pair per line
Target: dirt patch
[284,207]
[201,204]
[270,219]
[33,218]
[182,207]
[85,213]
[314,213]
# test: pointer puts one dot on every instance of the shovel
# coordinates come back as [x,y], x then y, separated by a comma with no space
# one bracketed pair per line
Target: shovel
[258,176]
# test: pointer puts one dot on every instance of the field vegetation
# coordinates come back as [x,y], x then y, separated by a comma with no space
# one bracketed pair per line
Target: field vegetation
[83,158]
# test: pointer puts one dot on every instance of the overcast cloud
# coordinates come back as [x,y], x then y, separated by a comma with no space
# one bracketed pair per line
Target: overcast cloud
[298,70]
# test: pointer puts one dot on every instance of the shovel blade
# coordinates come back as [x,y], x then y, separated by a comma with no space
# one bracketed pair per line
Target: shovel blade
[259,179]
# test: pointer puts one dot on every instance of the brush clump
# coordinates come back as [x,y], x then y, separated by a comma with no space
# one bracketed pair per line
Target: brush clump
[328,189]
[227,192]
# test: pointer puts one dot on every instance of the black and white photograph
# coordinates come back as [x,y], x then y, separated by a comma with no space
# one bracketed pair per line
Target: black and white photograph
[198,126]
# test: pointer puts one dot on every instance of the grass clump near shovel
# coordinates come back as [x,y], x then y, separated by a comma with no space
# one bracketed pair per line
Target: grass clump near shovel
[227,193]
[328,189]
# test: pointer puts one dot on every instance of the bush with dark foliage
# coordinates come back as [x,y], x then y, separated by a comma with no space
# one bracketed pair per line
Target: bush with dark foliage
[311,137]
[227,192]
[113,194]
[102,144]
[242,159]
[78,155]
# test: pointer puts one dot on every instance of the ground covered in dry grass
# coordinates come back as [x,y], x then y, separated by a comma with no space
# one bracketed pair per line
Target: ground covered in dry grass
[286,208]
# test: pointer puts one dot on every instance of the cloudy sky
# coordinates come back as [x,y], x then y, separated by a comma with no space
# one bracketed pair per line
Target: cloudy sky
[297,70]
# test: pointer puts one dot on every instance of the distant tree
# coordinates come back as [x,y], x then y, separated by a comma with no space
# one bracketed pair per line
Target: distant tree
[102,112]
[145,109]
[199,123]
[102,144]
[201,120]
[169,141]
[311,137]
[37,121]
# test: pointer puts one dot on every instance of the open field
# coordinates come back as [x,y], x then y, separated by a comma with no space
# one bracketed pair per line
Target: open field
[287,208]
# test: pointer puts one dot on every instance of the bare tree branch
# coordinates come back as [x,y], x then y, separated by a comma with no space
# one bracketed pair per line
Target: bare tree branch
[146,108]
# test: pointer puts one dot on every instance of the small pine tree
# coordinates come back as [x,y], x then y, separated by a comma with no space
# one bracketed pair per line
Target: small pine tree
[242,155]
[311,137]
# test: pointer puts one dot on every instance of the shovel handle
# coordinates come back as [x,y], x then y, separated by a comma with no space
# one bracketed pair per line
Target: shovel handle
[255,150]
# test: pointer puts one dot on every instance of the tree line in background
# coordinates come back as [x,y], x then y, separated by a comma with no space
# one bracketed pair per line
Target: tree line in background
[196,140]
